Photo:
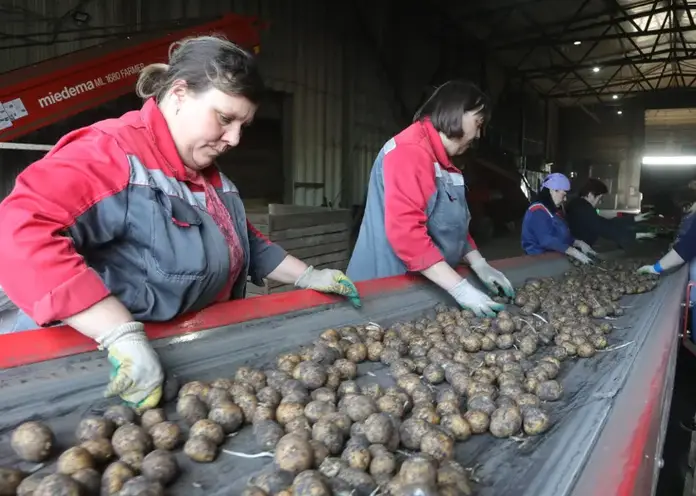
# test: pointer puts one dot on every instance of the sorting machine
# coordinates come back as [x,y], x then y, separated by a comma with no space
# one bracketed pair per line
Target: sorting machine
[608,428]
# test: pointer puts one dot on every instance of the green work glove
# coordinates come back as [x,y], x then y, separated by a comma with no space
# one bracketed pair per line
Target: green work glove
[136,374]
[329,281]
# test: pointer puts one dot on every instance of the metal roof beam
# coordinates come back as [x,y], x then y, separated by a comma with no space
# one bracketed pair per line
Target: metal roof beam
[610,89]
[562,36]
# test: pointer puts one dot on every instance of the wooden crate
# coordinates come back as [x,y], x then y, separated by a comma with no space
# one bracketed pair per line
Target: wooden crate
[318,236]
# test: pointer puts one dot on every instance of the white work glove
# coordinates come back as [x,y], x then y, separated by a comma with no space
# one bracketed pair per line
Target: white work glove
[642,217]
[645,235]
[578,255]
[492,278]
[647,269]
[584,247]
[136,374]
[471,298]
[329,281]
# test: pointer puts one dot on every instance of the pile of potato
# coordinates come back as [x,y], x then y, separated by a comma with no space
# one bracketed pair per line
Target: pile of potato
[450,376]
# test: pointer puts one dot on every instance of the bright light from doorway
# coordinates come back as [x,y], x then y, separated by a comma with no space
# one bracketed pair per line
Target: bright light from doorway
[615,97]
[595,69]
[619,112]
[676,160]
[578,42]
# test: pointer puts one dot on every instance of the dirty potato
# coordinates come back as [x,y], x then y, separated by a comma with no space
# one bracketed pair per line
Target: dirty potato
[32,441]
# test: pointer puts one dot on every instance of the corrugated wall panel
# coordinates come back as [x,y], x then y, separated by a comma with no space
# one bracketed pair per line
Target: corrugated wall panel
[301,55]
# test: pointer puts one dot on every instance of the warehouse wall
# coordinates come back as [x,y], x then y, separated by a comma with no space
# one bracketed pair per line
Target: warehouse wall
[341,104]
[610,149]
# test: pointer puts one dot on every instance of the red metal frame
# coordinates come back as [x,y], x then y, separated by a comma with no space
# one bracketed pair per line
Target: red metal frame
[65,86]
[38,345]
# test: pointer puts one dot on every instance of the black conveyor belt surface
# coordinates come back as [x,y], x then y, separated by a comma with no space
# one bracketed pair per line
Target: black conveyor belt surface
[62,391]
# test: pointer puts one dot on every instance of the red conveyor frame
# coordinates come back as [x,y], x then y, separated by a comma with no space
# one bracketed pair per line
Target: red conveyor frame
[626,456]
[98,74]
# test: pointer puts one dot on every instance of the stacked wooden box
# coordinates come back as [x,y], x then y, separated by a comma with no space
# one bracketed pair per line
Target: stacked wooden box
[318,236]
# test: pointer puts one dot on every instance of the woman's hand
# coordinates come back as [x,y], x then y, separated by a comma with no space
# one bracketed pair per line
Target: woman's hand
[492,278]
[329,281]
[584,247]
[478,302]
[578,255]
[137,375]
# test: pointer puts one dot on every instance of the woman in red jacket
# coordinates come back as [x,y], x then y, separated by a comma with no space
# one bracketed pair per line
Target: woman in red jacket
[128,220]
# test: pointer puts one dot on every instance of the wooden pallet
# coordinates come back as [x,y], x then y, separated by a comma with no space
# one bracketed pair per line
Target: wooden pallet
[316,235]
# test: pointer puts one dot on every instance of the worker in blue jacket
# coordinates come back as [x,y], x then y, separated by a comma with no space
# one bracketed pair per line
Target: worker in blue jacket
[543,228]
[683,250]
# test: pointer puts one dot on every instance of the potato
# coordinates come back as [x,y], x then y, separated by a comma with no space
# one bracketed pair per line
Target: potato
[89,480]
[374,351]
[438,444]
[330,435]
[317,409]
[412,431]
[58,485]
[348,387]
[248,403]
[341,420]
[271,480]
[74,459]
[391,404]
[191,409]
[288,411]
[29,484]
[254,377]
[452,475]
[389,355]
[321,452]
[460,382]
[114,477]
[267,434]
[254,491]
[200,449]
[505,422]
[94,428]
[10,479]
[478,421]
[299,426]
[165,435]
[120,415]
[208,429]
[427,413]
[310,483]
[357,456]
[269,396]
[456,426]
[32,441]
[536,421]
[134,459]
[359,481]
[482,403]
[240,389]
[262,412]
[346,369]
[422,395]
[527,400]
[383,463]
[549,391]
[360,407]
[287,362]
[324,394]
[311,374]
[217,395]
[100,450]
[418,469]
[130,437]
[379,428]
[356,353]
[141,486]
[408,382]
[372,390]
[586,350]
[160,466]
[434,374]
[294,454]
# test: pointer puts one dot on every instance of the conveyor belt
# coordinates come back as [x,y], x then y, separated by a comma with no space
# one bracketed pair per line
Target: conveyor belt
[63,390]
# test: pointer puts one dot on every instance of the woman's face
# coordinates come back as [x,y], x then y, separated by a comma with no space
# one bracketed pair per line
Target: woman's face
[558,196]
[206,125]
[472,123]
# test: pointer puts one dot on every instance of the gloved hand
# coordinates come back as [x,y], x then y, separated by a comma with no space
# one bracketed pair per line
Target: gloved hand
[648,269]
[642,217]
[492,278]
[578,255]
[645,235]
[329,281]
[584,247]
[136,374]
[471,298]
